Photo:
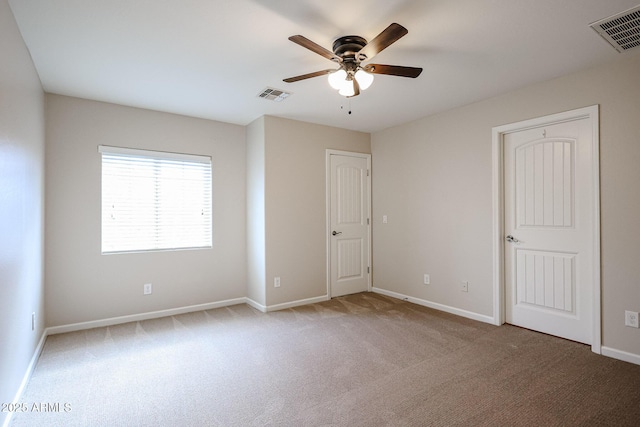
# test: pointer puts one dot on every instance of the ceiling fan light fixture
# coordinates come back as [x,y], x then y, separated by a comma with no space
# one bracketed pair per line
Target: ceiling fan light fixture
[364,79]
[349,52]
[337,79]
[347,88]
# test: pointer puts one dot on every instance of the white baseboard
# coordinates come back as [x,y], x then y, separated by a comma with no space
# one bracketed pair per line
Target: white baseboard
[175,311]
[256,305]
[297,303]
[283,306]
[437,306]
[142,316]
[621,355]
[27,375]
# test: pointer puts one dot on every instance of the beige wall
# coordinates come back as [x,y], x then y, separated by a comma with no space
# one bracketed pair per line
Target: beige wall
[432,178]
[256,256]
[21,207]
[83,285]
[295,201]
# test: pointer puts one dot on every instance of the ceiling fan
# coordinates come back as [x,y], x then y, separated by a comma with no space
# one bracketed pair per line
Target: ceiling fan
[349,52]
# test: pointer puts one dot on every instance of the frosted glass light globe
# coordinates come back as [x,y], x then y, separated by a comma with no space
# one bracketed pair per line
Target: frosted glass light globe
[347,88]
[337,79]
[364,79]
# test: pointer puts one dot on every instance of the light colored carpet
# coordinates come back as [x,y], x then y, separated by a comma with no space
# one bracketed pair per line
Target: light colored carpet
[360,360]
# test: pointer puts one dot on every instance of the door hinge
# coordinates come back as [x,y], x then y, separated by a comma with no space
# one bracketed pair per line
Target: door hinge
[367,221]
[368,270]
[367,172]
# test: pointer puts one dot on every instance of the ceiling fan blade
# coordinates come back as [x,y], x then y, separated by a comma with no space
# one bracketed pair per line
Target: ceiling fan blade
[393,70]
[383,40]
[314,47]
[308,76]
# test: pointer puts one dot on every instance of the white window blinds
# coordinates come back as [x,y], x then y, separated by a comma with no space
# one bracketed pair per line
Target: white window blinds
[154,200]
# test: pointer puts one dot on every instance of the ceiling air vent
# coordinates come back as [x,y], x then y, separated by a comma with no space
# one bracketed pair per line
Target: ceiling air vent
[272,94]
[622,30]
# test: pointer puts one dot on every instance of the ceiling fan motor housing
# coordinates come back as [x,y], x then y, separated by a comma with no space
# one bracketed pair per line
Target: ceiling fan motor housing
[347,47]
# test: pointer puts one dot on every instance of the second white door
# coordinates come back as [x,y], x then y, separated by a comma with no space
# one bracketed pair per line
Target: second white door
[349,224]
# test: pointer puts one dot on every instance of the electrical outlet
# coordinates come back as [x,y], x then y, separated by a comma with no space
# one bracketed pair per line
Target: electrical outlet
[276,282]
[147,289]
[631,319]
[427,279]
[464,286]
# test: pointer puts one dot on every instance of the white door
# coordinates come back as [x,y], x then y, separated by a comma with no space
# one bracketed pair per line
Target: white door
[349,224]
[549,229]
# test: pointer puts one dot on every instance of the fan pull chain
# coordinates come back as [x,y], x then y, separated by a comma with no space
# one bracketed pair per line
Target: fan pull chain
[349,106]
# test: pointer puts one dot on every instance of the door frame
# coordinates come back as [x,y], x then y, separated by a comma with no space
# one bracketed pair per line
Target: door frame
[591,113]
[329,153]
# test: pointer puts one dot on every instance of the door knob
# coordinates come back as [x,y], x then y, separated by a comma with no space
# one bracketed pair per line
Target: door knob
[512,239]
[336,233]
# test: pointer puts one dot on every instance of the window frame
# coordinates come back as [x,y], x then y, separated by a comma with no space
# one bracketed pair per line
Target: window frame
[157,159]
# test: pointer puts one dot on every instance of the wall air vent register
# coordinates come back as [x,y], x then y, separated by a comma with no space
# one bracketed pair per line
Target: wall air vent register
[272,94]
[622,30]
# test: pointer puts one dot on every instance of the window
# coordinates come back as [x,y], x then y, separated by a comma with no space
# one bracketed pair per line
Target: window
[154,200]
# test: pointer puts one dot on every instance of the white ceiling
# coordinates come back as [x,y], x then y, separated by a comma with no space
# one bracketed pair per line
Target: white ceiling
[211,58]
